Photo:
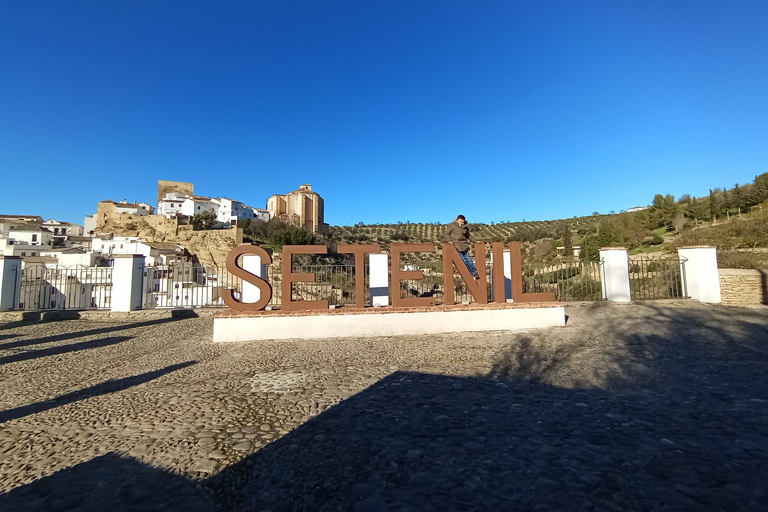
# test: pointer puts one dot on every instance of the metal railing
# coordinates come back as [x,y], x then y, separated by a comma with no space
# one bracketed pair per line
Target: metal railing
[655,278]
[59,287]
[188,285]
[569,280]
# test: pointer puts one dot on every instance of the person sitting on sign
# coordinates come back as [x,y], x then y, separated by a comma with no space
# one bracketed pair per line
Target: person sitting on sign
[457,233]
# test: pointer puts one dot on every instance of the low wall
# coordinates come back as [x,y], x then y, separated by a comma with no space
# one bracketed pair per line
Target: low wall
[231,325]
[740,287]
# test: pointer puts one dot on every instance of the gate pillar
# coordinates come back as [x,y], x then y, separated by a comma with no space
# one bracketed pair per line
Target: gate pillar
[615,274]
[701,279]
[10,282]
[127,281]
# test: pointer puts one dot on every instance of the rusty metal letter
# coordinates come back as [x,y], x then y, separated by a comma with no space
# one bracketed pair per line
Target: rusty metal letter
[289,278]
[399,275]
[516,262]
[236,270]
[478,288]
[359,251]
[499,282]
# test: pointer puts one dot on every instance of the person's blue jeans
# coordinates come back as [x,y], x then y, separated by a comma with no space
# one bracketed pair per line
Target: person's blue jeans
[469,263]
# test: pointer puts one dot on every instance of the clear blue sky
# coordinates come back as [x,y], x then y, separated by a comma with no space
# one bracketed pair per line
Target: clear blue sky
[392,110]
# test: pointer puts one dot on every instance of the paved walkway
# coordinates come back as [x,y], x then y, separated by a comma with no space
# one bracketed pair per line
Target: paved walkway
[652,406]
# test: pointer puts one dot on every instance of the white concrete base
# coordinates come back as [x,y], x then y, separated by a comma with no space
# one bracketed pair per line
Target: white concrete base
[266,327]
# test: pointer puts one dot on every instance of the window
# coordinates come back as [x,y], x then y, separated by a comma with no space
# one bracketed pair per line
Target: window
[171,205]
[23,254]
[121,246]
[34,254]
[198,207]
[34,238]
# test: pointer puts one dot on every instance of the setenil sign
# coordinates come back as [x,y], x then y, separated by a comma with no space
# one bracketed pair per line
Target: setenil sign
[451,258]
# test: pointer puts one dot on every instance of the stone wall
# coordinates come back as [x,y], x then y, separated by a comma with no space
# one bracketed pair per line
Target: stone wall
[164,187]
[743,287]
[209,247]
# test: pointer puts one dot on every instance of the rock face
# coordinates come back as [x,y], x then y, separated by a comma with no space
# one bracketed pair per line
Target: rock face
[210,247]
[164,187]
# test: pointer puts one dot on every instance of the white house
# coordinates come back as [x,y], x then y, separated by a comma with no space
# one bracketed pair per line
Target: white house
[227,211]
[89,224]
[27,233]
[179,203]
[154,253]
[259,213]
[62,231]
[69,256]
[23,235]
[140,209]
[63,228]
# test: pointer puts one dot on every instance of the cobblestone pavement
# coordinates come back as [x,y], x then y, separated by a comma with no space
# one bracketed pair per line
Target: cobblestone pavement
[654,406]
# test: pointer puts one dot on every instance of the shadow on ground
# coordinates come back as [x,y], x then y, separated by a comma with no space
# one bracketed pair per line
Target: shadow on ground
[81,334]
[110,386]
[674,420]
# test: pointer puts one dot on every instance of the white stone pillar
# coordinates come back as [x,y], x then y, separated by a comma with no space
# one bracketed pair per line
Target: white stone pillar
[127,282]
[252,263]
[378,265]
[701,279]
[615,274]
[10,282]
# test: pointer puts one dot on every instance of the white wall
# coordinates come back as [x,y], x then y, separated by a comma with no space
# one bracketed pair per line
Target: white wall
[30,237]
[132,210]
[70,259]
[89,224]
[260,214]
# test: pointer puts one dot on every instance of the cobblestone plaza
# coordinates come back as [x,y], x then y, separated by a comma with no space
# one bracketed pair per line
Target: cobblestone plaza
[647,406]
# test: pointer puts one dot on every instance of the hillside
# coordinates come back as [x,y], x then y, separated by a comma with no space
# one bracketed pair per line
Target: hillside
[730,219]
[433,232]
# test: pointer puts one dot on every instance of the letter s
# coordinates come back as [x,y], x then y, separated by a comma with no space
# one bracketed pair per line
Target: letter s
[236,270]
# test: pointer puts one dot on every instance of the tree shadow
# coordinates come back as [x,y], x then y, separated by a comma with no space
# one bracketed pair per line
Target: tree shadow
[104,388]
[668,418]
[109,482]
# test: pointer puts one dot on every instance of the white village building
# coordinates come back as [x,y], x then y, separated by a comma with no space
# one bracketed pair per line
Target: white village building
[155,253]
[20,237]
[26,236]
[228,211]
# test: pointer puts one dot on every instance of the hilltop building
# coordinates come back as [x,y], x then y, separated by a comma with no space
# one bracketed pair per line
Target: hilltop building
[107,210]
[176,199]
[302,207]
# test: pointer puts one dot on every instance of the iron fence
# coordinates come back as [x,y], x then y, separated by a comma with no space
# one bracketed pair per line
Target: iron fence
[655,278]
[188,285]
[569,280]
[60,287]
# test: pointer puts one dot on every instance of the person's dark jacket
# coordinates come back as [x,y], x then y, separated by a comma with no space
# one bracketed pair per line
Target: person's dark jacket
[458,235]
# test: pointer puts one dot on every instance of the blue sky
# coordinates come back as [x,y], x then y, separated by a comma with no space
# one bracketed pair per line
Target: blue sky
[392,110]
